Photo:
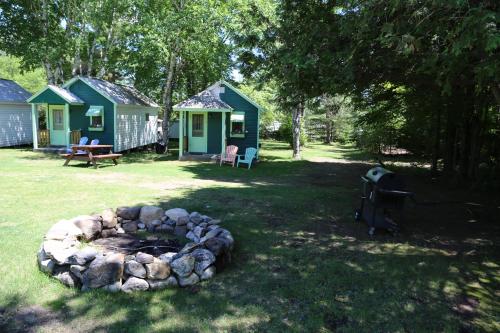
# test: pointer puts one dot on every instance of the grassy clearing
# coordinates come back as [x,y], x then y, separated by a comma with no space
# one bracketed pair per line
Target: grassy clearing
[301,263]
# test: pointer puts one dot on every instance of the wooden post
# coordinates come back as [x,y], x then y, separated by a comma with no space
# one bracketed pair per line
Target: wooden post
[223,137]
[181,133]
[34,121]
[66,125]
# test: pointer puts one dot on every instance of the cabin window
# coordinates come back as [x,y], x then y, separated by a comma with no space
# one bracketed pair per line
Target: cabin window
[96,114]
[238,124]
[147,116]
[198,125]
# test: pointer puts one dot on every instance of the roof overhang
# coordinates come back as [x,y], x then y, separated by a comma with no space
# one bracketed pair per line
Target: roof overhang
[237,91]
[201,110]
[56,91]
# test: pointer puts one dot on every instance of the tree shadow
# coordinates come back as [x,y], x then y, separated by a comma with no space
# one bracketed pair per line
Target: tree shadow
[301,264]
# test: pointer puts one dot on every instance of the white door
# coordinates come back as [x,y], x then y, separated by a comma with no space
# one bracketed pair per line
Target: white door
[56,125]
[197,132]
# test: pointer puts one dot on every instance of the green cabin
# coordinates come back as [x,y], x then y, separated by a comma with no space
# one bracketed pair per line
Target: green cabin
[114,114]
[219,116]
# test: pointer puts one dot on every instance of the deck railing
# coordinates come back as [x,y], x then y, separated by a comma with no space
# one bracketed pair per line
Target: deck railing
[43,138]
[75,136]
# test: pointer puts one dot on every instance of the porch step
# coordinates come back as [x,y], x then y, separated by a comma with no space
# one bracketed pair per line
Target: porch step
[51,150]
[199,157]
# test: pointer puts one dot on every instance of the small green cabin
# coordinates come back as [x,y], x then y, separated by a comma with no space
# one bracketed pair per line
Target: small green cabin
[219,116]
[114,114]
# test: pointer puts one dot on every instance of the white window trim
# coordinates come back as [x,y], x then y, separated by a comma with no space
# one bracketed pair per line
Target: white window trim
[242,135]
[96,129]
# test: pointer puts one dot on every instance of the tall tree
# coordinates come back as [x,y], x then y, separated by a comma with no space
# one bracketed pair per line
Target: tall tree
[181,47]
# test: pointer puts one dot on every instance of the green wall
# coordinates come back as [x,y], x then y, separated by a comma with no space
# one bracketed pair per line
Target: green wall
[78,120]
[239,104]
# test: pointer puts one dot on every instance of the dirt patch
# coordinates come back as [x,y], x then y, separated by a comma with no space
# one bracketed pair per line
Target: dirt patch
[31,319]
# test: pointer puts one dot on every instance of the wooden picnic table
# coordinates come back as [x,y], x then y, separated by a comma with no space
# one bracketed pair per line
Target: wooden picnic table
[91,153]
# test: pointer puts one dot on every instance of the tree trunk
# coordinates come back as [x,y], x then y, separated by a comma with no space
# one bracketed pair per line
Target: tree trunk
[328,115]
[437,141]
[296,122]
[167,98]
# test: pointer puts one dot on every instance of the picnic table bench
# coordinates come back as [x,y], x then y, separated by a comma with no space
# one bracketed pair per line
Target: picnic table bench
[91,154]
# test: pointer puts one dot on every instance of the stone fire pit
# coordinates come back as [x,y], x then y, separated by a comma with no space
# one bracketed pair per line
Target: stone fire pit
[121,250]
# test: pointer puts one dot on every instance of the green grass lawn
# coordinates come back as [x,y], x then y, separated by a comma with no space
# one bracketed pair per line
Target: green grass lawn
[301,264]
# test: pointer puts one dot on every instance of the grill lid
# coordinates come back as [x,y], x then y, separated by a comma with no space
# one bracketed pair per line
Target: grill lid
[376,173]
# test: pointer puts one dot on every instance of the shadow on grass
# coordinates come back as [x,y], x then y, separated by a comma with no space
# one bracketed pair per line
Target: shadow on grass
[300,265]
[297,268]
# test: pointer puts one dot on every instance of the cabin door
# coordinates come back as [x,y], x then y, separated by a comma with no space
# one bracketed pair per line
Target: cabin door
[197,132]
[56,125]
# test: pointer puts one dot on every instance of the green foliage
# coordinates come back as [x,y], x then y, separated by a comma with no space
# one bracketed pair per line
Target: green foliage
[10,68]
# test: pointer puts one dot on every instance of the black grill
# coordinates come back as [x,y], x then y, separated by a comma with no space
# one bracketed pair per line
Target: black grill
[382,200]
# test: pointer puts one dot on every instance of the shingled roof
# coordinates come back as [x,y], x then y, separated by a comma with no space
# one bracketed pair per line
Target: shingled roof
[120,94]
[203,100]
[11,92]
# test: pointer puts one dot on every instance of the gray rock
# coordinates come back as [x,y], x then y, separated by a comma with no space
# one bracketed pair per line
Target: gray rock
[113,288]
[47,266]
[60,251]
[163,218]
[89,225]
[120,230]
[109,219]
[130,226]
[190,225]
[182,221]
[104,270]
[217,245]
[189,247]
[167,228]
[203,259]
[198,232]
[203,224]
[211,234]
[171,282]
[183,266]
[41,255]
[66,277]
[214,222]
[128,213]
[64,229]
[228,237]
[81,257]
[191,236]
[157,270]
[149,214]
[208,273]
[77,271]
[170,223]
[144,258]
[189,280]
[212,227]
[106,233]
[195,217]
[136,269]
[180,231]
[176,213]
[134,284]
[141,225]
[167,257]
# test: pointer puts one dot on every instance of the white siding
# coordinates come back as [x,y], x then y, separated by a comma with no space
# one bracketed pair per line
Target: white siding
[132,129]
[15,124]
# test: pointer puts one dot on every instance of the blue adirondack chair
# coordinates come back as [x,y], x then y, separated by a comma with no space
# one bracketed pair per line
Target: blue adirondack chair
[83,141]
[247,158]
